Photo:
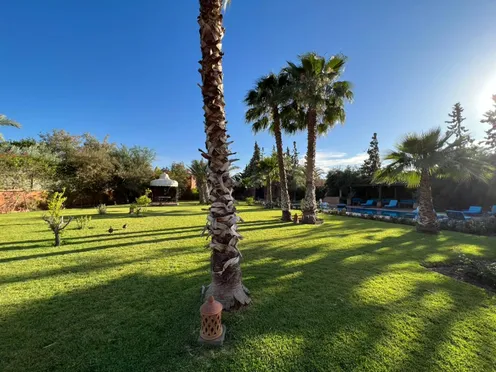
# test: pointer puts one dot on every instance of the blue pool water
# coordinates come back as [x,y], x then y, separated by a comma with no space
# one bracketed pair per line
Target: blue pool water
[379,212]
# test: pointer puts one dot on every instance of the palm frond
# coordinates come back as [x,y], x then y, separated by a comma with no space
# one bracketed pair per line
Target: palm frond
[261,125]
[5,121]
[397,174]
[343,90]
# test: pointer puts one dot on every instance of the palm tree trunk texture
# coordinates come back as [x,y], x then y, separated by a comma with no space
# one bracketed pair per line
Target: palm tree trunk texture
[268,194]
[285,202]
[204,191]
[309,203]
[427,218]
[201,194]
[226,285]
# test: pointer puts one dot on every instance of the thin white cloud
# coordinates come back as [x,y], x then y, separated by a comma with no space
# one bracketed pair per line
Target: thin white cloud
[326,160]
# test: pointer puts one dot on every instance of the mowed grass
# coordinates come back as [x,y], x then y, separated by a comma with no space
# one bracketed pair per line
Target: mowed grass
[346,295]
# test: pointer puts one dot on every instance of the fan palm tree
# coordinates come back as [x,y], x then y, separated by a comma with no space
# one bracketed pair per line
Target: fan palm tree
[6,122]
[419,157]
[268,171]
[199,170]
[226,285]
[320,100]
[264,111]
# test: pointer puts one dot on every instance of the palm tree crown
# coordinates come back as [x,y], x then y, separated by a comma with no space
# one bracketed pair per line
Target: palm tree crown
[314,86]
[432,152]
[199,169]
[267,100]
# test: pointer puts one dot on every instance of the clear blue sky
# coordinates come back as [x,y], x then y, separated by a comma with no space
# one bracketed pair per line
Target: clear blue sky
[129,68]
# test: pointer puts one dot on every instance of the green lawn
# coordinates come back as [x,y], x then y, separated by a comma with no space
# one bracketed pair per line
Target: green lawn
[346,295]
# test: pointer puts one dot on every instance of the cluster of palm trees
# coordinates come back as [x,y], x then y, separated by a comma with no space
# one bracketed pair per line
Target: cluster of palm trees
[312,99]
[304,96]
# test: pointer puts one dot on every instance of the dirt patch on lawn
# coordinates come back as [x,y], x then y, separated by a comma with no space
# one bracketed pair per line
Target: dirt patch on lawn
[478,273]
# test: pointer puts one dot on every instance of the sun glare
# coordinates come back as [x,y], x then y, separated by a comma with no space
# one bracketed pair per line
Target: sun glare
[484,101]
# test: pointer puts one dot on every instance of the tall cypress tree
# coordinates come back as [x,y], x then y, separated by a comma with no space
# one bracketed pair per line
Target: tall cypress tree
[252,167]
[490,118]
[373,163]
[295,156]
[455,126]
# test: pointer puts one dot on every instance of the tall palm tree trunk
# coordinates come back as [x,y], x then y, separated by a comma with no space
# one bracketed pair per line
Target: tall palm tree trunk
[268,191]
[285,201]
[226,285]
[309,203]
[204,191]
[427,218]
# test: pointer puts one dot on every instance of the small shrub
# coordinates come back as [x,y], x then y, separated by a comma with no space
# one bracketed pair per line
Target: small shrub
[54,218]
[83,222]
[142,203]
[132,208]
[250,200]
[483,271]
[101,208]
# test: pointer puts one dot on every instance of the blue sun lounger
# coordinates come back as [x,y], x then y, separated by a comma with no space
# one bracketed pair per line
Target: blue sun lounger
[369,203]
[474,210]
[392,204]
[493,211]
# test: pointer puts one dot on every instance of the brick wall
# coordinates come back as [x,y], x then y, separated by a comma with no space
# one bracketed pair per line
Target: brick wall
[19,200]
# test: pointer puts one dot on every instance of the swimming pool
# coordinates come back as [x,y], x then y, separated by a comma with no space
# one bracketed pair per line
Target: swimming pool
[380,212]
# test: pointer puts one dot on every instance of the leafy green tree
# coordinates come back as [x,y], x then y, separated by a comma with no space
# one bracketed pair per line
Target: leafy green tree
[341,181]
[319,98]
[180,173]
[94,170]
[456,127]
[420,157]
[133,171]
[265,104]
[373,163]
[6,122]
[26,165]
[490,118]
[227,285]
[199,169]
[23,143]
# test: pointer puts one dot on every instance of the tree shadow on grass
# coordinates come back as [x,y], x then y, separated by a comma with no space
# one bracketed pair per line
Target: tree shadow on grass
[318,305]
[135,323]
[92,266]
[121,234]
[118,245]
[369,307]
